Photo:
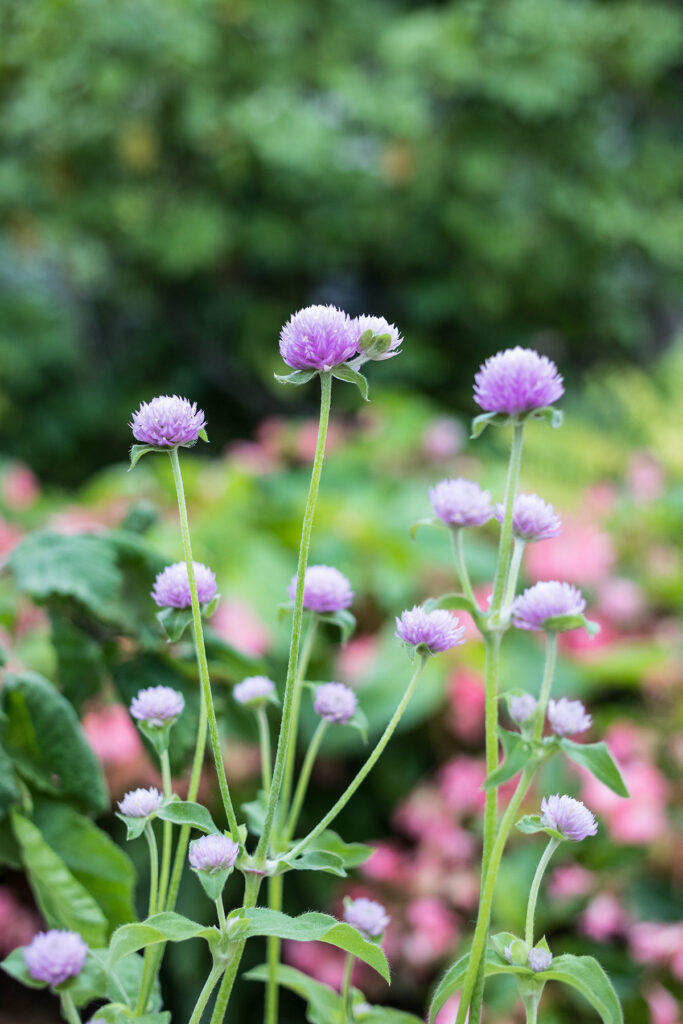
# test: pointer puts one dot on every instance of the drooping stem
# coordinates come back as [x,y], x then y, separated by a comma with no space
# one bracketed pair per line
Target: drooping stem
[168,831]
[461,564]
[69,1010]
[304,777]
[346,988]
[205,993]
[264,744]
[548,673]
[301,672]
[505,543]
[535,886]
[201,649]
[251,890]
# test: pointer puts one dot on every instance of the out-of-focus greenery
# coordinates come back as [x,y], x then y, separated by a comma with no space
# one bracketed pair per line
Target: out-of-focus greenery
[177,176]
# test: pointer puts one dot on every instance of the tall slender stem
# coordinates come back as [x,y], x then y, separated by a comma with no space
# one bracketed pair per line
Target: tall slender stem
[513,574]
[151,957]
[548,673]
[301,672]
[304,777]
[69,1010]
[251,890]
[535,886]
[201,649]
[505,542]
[153,868]
[168,831]
[264,744]
[346,988]
[205,993]
[461,564]
[531,1007]
[273,945]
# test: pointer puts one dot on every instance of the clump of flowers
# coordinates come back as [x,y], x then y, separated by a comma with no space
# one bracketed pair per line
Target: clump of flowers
[167,421]
[172,585]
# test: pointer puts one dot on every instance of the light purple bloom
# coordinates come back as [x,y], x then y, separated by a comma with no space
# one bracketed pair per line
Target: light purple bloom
[522,707]
[55,956]
[568,717]
[326,589]
[532,518]
[318,338]
[213,853]
[253,689]
[544,601]
[167,421]
[172,586]
[156,705]
[461,503]
[378,325]
[140,803]
[368,916]
[540,959]
[568,816]
[517,380]
[437,630]
[335,702]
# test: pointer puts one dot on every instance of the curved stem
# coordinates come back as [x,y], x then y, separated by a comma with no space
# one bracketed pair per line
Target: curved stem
[346,988]
[301,672]
[288,703]
[205,993]
[200,648]
[304,777]
[69,1010]
[251,889]
[513,575]
[548,673]
[367,767]
[273,945]
[461,564]
[535,886]
[505,542]
[168,832]
[264,744]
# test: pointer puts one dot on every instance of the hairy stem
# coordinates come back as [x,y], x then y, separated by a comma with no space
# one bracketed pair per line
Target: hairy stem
[205,993]
[304,777]
[505,543]
[168,832]
[513,574]
[535,886]
[151,958]
[273,945]
[531,1007]
[264,744]
[251,890]
[69,1010]
[301,672]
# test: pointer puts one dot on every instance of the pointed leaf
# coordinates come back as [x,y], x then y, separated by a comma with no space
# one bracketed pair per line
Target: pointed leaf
[167,927]
[345,372]
[359,721]
[138,450]
[563,623]
[343,619]
[297,377]
[315,860]
[518,752]
[203,436]
[15,966]
[548,413]
[174,622]
[487,419]
[351,854]
[452,602]
[597,759]
[454,977]
[585,974]
[324,1003]
[185,812]
[531,823]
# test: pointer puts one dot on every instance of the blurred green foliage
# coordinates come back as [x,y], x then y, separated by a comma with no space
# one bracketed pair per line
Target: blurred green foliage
[177,176]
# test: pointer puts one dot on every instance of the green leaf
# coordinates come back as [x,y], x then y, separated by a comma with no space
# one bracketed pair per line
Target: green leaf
[452,602]
[118,1013]
[518,752]
[15,966]
[134,826]
[255,813]
[212,882]
[585,974]
[316,927]
[426,521]
[174,622]
[167,927]
[351,854]
[185,812]
[203,436]
[9,790]
[324,1004]
[385,1015]
[138,450]
[345,372]
[563,623]
[487,419]
[358,721]
[80,657]
[298,377]
[597,759]
[343,619]
[548,413]
[531,823]
[454,977]
[45,741]
[62,900]
[315,860]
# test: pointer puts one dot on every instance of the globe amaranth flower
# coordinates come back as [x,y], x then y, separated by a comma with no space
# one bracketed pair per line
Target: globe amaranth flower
[157,705]
[167,421]
[213,853]
[568,816]
[532,518]
[540,959]
[368,916]
[55,956]
[253,690]
[461,503]
[379,326]
[335,702]
[172,585]
[568,717]
[318,338]
[517,380]
[437,630]
[543,601]
[522,707]
[140,803]
[326,589]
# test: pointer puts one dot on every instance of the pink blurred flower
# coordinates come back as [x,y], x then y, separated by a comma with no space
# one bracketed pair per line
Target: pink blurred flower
[356,658]
[569,881]
[640,820]
[20,486]
[658,942]
[426,817]
[581,554]
[386,864]
[466,699]
[645,477]
[603,918]
[449,1011]
[112,735]
[432,932]
[442,439]
[460,782]
[18,923]
[621,600]
[317,959]
[307,438]
[9,537]
[663,1006]
[237,624]
[251,457]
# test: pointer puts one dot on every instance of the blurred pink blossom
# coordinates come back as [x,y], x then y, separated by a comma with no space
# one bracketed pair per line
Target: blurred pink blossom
[443,438]
[663,1006]
[251,457]
[582,554]
[20,487]
[569,881]
[466,699]
[18,923]
[640,820]
[386,863]
[604,918]
[449,1011]
[425,816]
[432,931]
[356,658]
[307,438]
[645,477]
[317,959]
[460,782]
[112,735]
[9,537]
[237,624]
[658,942]
[621,600]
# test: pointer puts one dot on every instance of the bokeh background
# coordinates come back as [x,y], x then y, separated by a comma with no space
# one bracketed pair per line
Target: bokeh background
[176,178]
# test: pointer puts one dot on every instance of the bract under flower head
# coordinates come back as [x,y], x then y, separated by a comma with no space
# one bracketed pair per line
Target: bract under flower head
[540,959]
[318,338]
[157,705]
[379,327]
[167,421]
[172,585]
[569,817]
[253,690]
[522,707]
[568,717]
[532,518]
[368,916]
[326,589]
[140,803]
[335,702]
[546,600]
[461,502]
[55,956]
[517,380]
[213,853]
[437,631]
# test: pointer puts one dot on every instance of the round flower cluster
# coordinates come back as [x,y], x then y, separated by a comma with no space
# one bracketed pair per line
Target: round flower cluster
[522,707]
[213,853]
[568,717]
[55,956]
[156,705]
[172,585]
[540,959]
[140,803]
[335,702]
[543,601]
[437,630]
[253,690]
[532,518]
[368,916]
[167,421]
[326,589]
[461,503]
[517,380]
[569,817]
[318,338]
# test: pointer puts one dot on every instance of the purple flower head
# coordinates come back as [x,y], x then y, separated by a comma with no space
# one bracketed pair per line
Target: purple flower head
[140,803]
[540,959]
[568,717]
[55,956]
[318,338]
[379,326]
[213,853]
[172,586]
[167,421]
[532,518]
[325,589]
[568,816]
[438,630]
[544,601]
[253,690]
[368,916]
[335,702]
[522,707]
[157,705]
[461,503]
[517,380]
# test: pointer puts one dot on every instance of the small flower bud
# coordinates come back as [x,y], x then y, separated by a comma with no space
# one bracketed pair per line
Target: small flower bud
[540,959]
[378,338]
[517,380]
[532,518]
[522,707]
[461,503]
[568,717]
[335,702]
[368,916]
[213,853]
[569,817]
[157,705]
[253,691]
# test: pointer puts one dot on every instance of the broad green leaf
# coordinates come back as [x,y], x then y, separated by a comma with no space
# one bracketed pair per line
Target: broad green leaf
[138,450]
[487,419]
[15,966]
[351,854]
[174,622]
[548,413]
[585,974]
[167,927]
[324,1004]
[518,752]
[185,812]
[297,377]
[454,977]
[9,790]
[345,372]
[384,1015]
[343,619]
[80,658]
[119,1013]
[597,759]
[62,900]
[121,984]
[315,860]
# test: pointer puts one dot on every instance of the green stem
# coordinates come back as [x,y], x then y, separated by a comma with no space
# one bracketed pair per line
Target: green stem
[273,944]
[205,993]
[168,832]
[304,777]
[513,575]
[153,868]
[297,616]
[531,1007]
[461,564]
[505,542]
[251,889]
[367,767]
[548,673]
[151,957]
[200,648]
[264,744]
[69,1010]
[220,909]
[301,672]
[346,988]
[535,886]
